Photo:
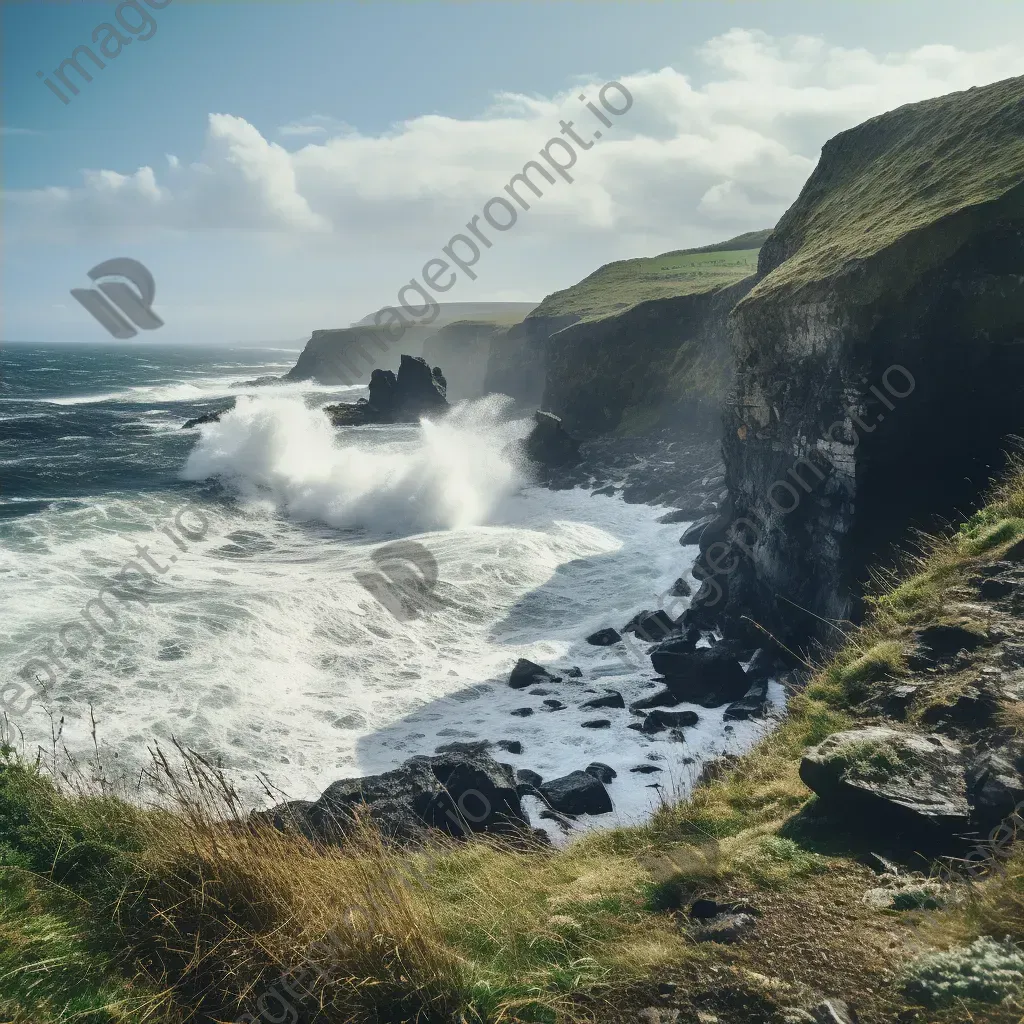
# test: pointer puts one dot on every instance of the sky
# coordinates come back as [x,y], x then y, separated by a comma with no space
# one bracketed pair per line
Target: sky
[286,167]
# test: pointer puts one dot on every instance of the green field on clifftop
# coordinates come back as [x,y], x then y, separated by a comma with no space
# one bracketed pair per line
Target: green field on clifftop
[618,286]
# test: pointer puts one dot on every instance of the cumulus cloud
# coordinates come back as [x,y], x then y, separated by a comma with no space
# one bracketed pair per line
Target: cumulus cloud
[687,160]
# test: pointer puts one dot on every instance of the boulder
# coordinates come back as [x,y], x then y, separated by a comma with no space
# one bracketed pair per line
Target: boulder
[528,673]
[604,638]
[708,672]
[458,792]
[917,782]
[554,705]
[602,772]
[596,723]
[549,443]
[681,588]
[612,699]
[651,626]
[750,705]
[646,769]
[511,746]
[522,712]
[527,782]
[660,655]
[661,699]
[577,793]
[659,720]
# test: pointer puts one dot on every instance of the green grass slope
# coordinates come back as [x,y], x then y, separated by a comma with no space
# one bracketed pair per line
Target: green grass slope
[618,286]
[897,174]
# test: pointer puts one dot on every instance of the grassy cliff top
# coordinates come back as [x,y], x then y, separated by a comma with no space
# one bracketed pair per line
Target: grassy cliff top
[895,174]
[618,286]
[497,313]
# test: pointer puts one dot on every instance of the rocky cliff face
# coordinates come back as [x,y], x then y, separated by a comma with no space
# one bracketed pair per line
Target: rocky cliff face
[663,362]
[880,357]
[637,344]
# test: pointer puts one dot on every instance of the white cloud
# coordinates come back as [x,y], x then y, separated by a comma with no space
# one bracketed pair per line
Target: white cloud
[686,161]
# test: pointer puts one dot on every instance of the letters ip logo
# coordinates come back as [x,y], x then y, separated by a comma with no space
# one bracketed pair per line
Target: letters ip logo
[132,304]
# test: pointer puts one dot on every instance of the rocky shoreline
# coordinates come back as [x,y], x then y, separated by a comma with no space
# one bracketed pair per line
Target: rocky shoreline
[466,787]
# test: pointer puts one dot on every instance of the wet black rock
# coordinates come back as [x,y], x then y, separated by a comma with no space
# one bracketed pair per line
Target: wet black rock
[527,782]
[660,720]
[681,588]
[693,534]
[575,672]
[596,723]
[577,793]
[651,626]
[511,746]
[612,699]
[207,417]
[464,747]
[416,391]
[646,769]
[457,792]
[750,705]
[602,772]
[707,672]
[540,691]
[554,705]
[528,673]
[522,712]
[604,638]
[549,443]
[661,699]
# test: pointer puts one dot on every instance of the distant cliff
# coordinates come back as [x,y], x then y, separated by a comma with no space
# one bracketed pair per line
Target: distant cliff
[636,344]
[880,356]
[347,355]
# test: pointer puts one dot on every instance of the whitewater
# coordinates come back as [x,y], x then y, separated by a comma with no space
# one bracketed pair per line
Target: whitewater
[257,644]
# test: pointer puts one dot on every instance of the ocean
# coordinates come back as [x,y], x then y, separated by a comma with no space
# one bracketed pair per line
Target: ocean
[241,624]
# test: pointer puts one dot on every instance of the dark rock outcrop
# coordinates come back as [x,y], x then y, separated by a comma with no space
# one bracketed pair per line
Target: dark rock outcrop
[659,720]
[577,793]
[549,444]
[703,673]
[414,392]
[602,772]
[913,782]
[527,673]
[612,699]
[604,637]
[459,792]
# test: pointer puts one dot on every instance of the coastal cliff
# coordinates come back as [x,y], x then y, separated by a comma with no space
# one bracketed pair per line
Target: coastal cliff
[346,355]
[879,359]
[637,344]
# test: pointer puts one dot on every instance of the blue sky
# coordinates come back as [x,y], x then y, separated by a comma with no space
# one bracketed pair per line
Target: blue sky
[351,140]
